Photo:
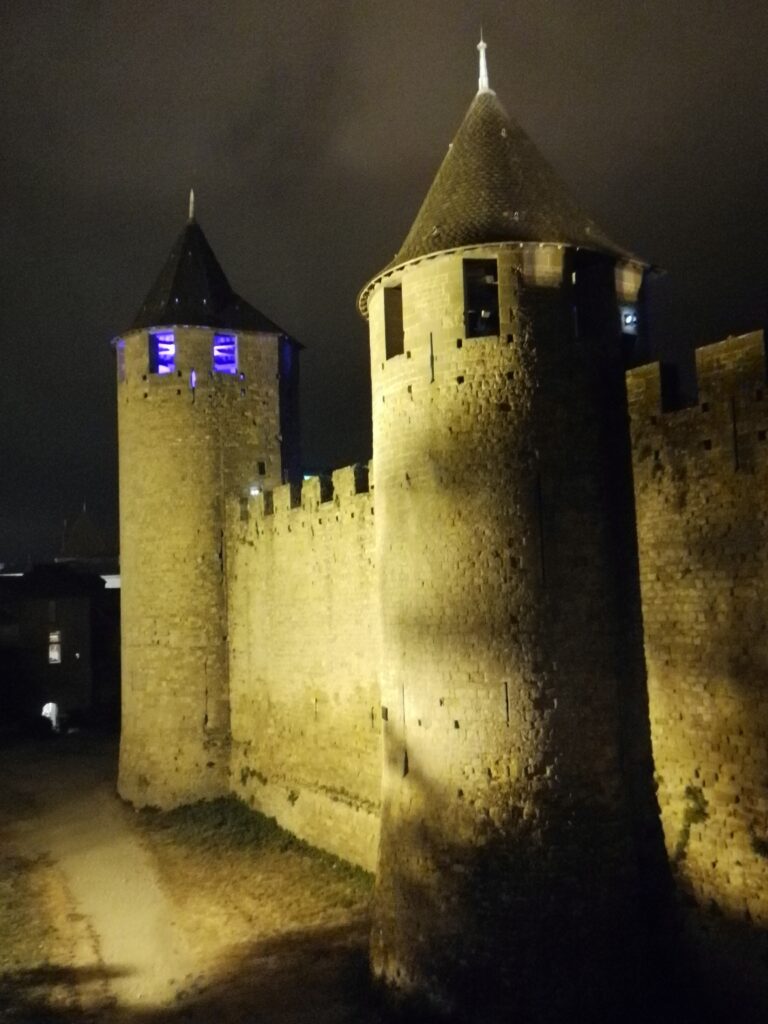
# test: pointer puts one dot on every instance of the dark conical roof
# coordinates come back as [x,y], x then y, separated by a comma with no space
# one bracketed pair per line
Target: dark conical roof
[193,289]
[82,539]
[495,186]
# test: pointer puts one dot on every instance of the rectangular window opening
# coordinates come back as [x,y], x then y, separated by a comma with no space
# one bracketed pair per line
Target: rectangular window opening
[225,353]
[162,352]
[394,335]
[54,647]
[481,298]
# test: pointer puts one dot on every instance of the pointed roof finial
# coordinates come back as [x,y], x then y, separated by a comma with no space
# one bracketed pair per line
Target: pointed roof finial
[482,82]
[191,204]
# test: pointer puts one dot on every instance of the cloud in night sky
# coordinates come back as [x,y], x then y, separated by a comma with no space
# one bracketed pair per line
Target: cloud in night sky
[311,131]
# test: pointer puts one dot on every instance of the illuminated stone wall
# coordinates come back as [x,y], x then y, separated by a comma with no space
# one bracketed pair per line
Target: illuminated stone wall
[506,835]
[183,449]
[306,728]
[701,481]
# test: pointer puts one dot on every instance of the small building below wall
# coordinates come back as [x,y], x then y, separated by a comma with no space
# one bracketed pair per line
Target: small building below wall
[59,644]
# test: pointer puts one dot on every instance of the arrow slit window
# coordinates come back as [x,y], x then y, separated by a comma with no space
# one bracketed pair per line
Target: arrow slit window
[481,298]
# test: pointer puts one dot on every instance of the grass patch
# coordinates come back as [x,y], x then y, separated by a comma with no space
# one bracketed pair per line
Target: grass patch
[223,823]
[227,824]
[26,937]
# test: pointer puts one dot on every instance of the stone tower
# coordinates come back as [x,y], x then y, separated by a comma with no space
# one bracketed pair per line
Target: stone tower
[498,337]
[207,410]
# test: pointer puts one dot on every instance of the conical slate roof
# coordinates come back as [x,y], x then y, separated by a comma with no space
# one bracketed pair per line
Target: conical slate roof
[495,186]
[82,539]
[193,289]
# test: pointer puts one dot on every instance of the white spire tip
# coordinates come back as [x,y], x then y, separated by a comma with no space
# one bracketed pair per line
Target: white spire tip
[191,204]
[482,81]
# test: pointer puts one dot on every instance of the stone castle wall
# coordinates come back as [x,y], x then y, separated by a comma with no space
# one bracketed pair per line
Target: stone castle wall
[303,657]
[701,480]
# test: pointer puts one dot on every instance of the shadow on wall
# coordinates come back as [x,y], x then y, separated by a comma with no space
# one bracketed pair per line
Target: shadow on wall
[504,897]
[552,946]
[717,830]
[588,968]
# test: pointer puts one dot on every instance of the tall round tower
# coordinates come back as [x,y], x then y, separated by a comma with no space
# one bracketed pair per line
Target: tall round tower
[498,335]
[207,396]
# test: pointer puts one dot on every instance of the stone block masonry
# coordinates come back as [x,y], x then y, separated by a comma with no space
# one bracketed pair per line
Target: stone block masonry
[303,658]
[505,823]
[701,479]
[188,438]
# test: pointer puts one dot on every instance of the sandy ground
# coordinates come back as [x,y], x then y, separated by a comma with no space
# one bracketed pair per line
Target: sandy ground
[108,877]
[205,915]
[123,917]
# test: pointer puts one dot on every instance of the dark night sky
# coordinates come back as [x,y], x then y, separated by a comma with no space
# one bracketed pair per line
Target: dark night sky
[311,131]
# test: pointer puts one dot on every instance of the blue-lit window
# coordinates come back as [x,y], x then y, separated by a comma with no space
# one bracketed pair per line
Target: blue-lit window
[120,349]
[224,353]
[628,320]
[162,352]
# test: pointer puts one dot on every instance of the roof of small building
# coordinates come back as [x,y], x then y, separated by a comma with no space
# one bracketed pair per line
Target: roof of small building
[50,580]
[193,289]
[495,186]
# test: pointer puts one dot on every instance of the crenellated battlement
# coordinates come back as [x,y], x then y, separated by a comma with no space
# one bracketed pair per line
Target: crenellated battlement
[340,490]
[724,370]
[731,363]
[727,422]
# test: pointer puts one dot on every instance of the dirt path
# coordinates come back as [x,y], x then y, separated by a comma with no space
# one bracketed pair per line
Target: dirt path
[111,880]
[114,885]
[173,918]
